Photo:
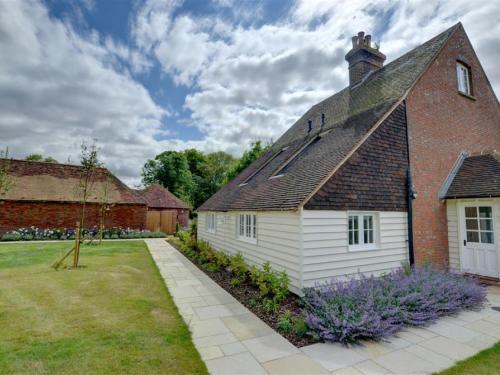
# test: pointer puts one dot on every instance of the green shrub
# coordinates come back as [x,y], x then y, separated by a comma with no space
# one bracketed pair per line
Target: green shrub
[270,306]
[221,259]
[238,268]
[12,237]
[285,322]
[269,283]
[184,236]
[206,253]
[300,327]
[193,230]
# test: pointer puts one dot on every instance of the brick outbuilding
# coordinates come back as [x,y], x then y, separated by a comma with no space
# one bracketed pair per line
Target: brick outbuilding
[46,196]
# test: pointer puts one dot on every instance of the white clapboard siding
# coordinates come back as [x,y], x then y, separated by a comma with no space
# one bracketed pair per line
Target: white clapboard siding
[278,240]
[325,247]
[453,234]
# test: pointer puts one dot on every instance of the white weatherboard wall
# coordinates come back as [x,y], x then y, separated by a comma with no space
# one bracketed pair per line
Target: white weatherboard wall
[326,253]
[311,245]
[278,240]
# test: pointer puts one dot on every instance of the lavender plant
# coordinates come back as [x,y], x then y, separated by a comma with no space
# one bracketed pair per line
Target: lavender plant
[369,307]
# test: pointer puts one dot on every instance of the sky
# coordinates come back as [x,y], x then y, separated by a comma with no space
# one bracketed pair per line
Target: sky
[142,77]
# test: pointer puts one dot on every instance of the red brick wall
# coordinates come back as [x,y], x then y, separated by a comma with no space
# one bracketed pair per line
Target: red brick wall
[45,215]
[442,123]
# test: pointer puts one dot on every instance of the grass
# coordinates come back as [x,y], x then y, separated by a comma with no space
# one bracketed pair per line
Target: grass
[111,316]
[486,362]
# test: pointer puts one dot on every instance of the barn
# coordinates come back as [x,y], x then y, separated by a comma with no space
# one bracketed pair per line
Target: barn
[47,196]
[164,209]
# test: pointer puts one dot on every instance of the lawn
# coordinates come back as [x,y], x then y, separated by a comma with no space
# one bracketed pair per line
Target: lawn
[486,362]
[112,315]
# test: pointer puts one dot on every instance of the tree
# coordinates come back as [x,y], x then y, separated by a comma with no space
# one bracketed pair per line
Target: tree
[170,169]
[88,177]
[39,157]
[5,180]
[249,156]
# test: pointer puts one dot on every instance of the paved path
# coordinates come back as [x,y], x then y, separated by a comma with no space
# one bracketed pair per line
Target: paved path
[232,340]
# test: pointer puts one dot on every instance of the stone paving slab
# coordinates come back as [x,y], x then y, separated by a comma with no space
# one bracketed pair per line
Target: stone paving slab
[233,340]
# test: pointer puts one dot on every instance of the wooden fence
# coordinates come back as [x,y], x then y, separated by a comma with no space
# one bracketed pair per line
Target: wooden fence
[163,221]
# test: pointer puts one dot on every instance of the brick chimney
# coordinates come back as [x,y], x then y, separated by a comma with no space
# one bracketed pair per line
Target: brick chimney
[363,58]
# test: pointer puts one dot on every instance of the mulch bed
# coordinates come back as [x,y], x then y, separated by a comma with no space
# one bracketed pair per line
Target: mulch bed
[247,295]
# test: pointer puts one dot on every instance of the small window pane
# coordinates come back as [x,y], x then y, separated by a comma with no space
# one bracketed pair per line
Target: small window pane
[472,236]
[471,224]
[356,238]
[470,211]
[242,225]
[254,226]
[247,223]
[485,212]
[487,237]
[486,224]
[351,237]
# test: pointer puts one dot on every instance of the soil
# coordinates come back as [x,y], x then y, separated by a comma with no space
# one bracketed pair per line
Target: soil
[247,295]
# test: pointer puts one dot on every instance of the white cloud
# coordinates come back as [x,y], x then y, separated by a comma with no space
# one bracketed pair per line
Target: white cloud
[58,88]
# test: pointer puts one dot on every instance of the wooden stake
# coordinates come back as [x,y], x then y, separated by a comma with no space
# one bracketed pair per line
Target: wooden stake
[77,245]
[57,264]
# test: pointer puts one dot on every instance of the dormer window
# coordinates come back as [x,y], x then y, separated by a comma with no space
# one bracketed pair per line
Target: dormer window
[464,79]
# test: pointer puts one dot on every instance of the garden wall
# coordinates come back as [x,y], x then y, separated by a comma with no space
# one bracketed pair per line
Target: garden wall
[48,215]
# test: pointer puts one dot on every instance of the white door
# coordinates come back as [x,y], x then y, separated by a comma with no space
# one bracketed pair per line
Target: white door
[479,255]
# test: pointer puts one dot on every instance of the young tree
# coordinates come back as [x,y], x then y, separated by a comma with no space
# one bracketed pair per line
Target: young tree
[89,172]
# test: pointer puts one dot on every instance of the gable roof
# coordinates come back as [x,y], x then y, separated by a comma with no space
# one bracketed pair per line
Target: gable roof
[159,197]
[350,115]
[42,181]
[478,176]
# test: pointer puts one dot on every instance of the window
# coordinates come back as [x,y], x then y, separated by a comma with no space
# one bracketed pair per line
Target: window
[361,231]
[210,223]
[247,227]
[463,79]
[479,224]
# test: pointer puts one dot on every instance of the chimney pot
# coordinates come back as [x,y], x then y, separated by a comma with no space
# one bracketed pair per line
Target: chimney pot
[368,40]
[363,58]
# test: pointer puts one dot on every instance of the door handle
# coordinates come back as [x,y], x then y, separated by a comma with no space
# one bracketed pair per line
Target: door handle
[465,242]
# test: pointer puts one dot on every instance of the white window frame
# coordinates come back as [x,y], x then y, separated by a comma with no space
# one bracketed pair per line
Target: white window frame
[463,79]
[246,227]
[211,222]
[362,245]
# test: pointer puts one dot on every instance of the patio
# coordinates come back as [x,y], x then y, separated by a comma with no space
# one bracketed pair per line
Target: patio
[232,340]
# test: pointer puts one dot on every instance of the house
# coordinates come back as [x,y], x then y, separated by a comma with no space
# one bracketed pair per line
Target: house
[46,195]
[164,209]
[383,172]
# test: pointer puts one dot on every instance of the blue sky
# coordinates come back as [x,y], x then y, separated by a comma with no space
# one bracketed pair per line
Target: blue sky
[147,76]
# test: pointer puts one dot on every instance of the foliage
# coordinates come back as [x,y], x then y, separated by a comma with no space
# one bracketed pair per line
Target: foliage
[249,156]
[194,176]
[38,157]
[5,180]
[269,283]
[238,269]
[371,307]
[300,327]
[285,322]
[270,305]
[170,169]
[37,234]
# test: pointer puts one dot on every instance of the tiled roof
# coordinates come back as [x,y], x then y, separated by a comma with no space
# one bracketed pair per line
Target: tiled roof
[41,181]
[349,115]
[159,197]
[478,176]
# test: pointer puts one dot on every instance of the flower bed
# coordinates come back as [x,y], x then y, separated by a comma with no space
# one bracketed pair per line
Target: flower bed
[261,290]
[37,234]
[340,310]
[376,308]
